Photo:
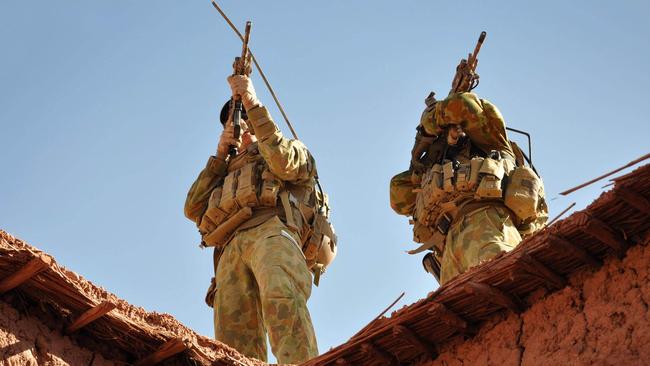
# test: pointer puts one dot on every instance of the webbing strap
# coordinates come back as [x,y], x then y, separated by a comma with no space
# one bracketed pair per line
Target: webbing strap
[288,212]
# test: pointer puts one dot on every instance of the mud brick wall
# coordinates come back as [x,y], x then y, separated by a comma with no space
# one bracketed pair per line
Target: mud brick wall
[25,341]
[601,318]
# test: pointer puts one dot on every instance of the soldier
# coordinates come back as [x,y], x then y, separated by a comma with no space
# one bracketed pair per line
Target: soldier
[468,189]
[257,209]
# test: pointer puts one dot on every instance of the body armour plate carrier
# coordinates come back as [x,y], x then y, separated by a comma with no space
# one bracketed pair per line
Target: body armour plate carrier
[450,189]
[251,194]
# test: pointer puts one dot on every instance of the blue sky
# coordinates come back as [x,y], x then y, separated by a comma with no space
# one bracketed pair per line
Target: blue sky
[109,109]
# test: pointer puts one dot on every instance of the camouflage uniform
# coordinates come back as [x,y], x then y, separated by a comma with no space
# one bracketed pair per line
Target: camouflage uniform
[482,228]
[262,279]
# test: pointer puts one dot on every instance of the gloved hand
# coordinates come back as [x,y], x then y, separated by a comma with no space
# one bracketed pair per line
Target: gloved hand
[227,139]
[243,86]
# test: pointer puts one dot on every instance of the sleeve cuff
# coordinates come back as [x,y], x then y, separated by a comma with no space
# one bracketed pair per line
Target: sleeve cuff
[261,122]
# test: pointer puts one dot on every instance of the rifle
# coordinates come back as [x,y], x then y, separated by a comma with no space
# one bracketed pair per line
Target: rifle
[466,77]
[241,66]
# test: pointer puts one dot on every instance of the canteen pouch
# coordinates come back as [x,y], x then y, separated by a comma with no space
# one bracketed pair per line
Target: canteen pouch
[246,194]
[228,202]
[523,193]
[491,175]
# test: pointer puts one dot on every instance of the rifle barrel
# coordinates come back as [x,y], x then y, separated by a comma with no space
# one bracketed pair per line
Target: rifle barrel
[474,55]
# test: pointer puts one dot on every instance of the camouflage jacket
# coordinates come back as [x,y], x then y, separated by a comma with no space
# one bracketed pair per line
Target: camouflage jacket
[288,159]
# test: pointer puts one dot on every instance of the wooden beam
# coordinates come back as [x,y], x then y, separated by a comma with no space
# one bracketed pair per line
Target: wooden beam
[374,352]
[90,316]
[167,350]
[634,199]
[493,295]
[415,340]
[602,232]
[29,270]
[564,246]
[450,318]
[536,268]
[341,362]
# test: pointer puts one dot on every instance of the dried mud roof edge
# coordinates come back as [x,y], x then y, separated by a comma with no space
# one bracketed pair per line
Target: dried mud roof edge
[611,224]
[83,309]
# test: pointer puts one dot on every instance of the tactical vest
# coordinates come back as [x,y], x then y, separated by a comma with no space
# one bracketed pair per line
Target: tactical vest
[450,189]
[251,194]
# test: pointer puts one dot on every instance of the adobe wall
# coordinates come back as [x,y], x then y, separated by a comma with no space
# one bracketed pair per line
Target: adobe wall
[601,318]
[25,341]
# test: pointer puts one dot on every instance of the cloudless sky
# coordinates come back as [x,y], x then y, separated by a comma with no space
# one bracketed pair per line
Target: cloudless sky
[109,110]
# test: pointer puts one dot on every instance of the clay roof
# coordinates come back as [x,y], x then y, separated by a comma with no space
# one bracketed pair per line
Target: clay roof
[615,221]
[33,282]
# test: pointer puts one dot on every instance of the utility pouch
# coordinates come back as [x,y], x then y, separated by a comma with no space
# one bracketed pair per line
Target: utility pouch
[522,193]
[220,236]
[228,203]
[475,167]
[246,194]
[213,212]
[269,190]
[463,175]
[448,177]
[421,233]
[492,174]
[206,225]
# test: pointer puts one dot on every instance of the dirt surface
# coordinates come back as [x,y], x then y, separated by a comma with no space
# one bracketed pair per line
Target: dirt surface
[600,318]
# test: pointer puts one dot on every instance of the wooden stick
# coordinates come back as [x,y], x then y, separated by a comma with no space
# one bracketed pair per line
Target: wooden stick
[634,199]
[29,270]
[341,362]
[538,269]
[167,350]
[450,318]
[374,352]
[493,295]
[90,316]
[560,214]
[377,317]
[644,157]
[562,245]
[415,340]
[602,232]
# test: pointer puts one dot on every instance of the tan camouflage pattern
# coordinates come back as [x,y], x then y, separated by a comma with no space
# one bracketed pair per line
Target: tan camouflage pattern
[480,119]
[288,159]
[262,279]
[402,197]
[479,236]
[263,285]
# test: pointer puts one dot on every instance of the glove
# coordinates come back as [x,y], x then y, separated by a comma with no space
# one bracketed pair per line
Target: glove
[243,86]
[227,139]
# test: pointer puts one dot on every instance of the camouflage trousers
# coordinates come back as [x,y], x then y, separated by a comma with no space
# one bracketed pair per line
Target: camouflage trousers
[262,286]
[475,238]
